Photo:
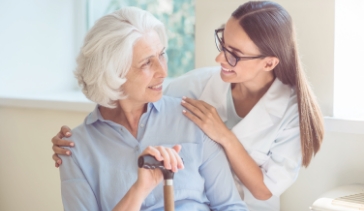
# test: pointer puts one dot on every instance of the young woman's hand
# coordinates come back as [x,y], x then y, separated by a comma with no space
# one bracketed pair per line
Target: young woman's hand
[148,179]
[58,142]
[206,117]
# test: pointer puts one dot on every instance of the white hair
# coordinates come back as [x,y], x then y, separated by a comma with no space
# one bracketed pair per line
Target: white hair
[106,55]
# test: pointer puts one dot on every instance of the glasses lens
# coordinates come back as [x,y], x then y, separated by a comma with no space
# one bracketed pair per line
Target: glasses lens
[231,59]
[218,40]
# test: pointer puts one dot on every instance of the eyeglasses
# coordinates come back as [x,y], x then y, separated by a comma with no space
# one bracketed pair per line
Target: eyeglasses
[230,57]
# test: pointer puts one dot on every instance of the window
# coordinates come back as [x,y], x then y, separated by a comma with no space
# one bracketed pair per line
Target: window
[349,57]
[178,17]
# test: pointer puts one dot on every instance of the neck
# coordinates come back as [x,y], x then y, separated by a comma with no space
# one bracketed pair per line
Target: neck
[126,114]
[252,89]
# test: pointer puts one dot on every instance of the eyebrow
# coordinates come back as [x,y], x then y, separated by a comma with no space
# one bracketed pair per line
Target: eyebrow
[141,61]
[233,49]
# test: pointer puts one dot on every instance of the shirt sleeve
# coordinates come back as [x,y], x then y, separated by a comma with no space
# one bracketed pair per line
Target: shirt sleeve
[77,194]
[284,160]
[219,185]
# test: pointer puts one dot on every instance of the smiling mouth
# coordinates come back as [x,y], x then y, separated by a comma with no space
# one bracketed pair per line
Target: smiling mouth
[156,87]
[226,70]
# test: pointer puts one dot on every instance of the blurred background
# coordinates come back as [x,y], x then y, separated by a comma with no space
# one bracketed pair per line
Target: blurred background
[40,39]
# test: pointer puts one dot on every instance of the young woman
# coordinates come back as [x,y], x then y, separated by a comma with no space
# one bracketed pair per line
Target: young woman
[257,104]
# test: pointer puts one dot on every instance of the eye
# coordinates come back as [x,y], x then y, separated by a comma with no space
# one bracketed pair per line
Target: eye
[147,63]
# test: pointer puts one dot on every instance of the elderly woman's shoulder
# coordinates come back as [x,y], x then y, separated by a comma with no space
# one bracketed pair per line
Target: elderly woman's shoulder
[170,104]
[79,133]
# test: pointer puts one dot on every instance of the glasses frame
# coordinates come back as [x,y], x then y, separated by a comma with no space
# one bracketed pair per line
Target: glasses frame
[219,42]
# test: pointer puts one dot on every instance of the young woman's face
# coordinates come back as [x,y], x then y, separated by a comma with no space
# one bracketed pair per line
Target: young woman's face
[148,70]
[238,42]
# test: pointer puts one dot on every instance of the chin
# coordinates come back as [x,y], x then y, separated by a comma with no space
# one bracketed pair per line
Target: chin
[155,98]
[228,80]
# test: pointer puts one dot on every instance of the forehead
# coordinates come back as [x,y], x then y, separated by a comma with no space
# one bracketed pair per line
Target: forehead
[236,37]
[149,43]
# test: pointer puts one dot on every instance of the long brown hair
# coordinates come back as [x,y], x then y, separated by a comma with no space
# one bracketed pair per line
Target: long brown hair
[270,27]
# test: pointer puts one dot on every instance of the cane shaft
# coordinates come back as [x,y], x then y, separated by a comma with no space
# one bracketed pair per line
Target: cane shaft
[168,196]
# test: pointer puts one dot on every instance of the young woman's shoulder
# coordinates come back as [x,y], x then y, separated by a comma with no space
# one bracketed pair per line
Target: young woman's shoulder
[192,83]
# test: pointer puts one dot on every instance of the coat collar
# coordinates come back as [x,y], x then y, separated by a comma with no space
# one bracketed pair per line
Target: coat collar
[273,103]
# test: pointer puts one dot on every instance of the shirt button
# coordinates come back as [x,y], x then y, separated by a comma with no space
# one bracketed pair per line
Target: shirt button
[142,125]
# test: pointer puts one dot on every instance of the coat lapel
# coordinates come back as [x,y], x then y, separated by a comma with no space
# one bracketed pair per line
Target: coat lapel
[273,103]
[257,119]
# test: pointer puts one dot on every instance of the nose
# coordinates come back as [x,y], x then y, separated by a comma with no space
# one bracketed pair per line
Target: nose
[220,58]
[161,69]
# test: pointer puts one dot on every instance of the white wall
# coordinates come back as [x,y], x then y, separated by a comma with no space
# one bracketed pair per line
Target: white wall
[38,45]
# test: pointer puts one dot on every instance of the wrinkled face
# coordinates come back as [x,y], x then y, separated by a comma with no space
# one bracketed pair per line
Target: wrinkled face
[238,42]
[148,70]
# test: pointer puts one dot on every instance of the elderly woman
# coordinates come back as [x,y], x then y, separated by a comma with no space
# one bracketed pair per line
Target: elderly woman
[121,67]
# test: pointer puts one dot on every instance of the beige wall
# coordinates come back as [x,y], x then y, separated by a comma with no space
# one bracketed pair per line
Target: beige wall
[28,178]
[340,162]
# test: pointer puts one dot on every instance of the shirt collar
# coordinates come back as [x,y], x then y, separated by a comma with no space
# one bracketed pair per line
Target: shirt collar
[95,115]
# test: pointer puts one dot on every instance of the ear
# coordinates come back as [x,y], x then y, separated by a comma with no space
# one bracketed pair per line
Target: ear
[270,63]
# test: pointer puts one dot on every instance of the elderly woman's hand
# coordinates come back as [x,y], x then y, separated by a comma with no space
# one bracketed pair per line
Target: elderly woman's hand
[58,142]
[206,118]
[148,179]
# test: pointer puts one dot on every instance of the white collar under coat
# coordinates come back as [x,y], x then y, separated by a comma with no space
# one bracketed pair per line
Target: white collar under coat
[273,103]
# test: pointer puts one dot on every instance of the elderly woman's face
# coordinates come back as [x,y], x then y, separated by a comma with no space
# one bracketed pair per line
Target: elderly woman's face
[148,70]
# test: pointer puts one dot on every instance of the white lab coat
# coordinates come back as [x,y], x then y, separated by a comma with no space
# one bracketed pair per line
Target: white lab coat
[270,132]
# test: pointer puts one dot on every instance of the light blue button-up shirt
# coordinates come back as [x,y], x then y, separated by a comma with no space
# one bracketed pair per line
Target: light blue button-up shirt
[103,164]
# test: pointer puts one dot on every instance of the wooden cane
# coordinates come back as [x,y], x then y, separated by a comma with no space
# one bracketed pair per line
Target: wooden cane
[168,195]
[149,162]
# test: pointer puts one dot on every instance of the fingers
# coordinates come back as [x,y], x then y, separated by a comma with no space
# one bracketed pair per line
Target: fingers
[56,140]
[58,161]
[60,151]
[193,109]
[169,156]
[193,118]
[65,131]
[177,148]
[204,107]
[153,152]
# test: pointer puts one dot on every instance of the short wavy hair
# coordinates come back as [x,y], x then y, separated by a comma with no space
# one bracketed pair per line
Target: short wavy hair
[106,55]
